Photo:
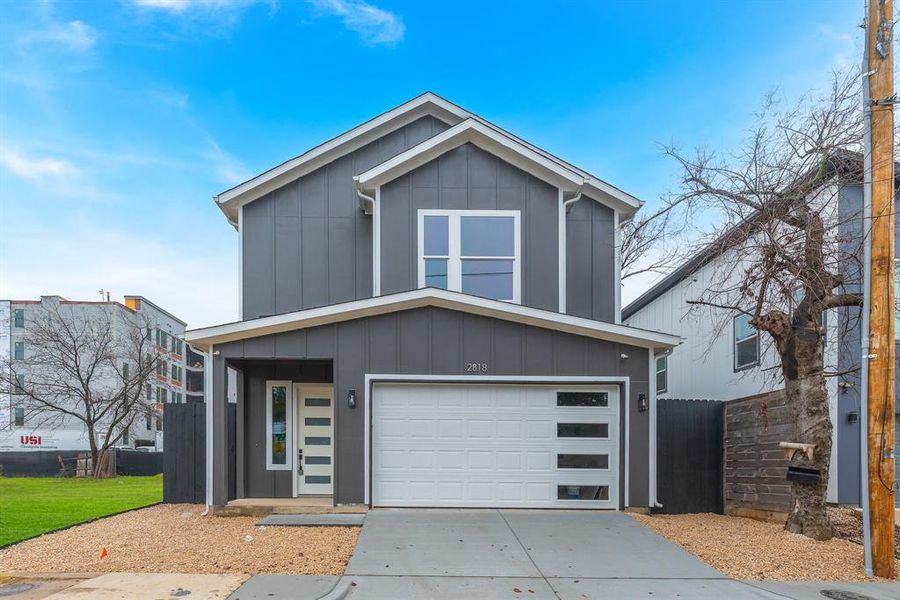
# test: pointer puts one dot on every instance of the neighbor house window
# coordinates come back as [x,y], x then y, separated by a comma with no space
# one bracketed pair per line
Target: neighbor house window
[19,349]
[149,389]
[19,317]
[19,416]
[149,423]
[662,374]
[278,418]
[124,370]
[746,343]
[159,421]
[20,382]
[471,251]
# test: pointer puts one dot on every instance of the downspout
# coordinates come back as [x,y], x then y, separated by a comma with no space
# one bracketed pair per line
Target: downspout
[208,398]
[864,326]
[573,199]
[364,198]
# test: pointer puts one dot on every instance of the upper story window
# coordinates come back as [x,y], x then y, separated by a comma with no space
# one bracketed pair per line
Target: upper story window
[471,251]
[19,317]
[662,373]
[19,350]
[746,343]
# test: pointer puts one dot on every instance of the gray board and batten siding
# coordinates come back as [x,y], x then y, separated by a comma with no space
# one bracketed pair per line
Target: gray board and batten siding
[424,341]
[308,244]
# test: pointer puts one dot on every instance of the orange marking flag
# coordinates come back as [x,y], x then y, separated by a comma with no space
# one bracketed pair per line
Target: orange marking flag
[103,554]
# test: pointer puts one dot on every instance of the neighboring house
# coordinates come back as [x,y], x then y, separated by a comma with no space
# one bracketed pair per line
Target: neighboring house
[724,358]
[29,430]
[430,317]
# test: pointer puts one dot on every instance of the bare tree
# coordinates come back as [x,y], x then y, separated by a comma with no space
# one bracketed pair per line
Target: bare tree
[88,366]
[788,253]
[650,243]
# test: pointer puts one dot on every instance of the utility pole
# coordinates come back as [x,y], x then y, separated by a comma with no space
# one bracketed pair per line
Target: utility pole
[880,401]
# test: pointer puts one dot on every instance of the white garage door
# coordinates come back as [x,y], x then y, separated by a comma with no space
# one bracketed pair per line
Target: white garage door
[482,445]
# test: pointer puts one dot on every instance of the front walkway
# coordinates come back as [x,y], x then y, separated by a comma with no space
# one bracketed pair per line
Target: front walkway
[539,555]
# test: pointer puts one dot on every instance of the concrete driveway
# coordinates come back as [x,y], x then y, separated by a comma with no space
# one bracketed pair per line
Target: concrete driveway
[517,554]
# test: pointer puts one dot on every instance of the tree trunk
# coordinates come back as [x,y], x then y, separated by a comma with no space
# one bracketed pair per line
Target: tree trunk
[803,367]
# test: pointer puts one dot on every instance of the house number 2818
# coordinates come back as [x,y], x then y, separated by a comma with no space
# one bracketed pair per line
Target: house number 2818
[476,367]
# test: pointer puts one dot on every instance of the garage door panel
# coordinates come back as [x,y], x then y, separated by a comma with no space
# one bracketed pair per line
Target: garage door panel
[491,445]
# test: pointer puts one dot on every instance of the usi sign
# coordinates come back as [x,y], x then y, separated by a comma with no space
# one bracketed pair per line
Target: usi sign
[30,440]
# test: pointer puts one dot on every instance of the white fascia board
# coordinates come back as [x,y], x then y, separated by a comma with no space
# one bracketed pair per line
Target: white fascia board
[357,309]
[262,184]
[483,136]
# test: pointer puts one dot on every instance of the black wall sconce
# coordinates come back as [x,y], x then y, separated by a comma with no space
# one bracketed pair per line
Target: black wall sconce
[351,398]
[853,417]
[643,405]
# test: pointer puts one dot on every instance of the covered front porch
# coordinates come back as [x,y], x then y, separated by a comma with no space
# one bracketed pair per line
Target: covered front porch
[282,446]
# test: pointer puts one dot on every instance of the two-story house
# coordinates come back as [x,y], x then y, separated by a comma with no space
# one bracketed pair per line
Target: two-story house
[430,317]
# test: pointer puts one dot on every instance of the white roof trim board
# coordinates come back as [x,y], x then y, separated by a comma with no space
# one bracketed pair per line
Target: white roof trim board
[487,138]
[356,309]
[428,103]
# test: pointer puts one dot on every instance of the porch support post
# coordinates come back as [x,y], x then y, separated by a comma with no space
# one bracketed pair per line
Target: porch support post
[208,395]
[218,444]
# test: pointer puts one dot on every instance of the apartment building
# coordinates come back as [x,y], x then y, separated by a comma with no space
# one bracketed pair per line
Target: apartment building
[178,377]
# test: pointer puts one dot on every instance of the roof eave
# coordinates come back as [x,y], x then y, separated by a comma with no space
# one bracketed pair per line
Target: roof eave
[357,309]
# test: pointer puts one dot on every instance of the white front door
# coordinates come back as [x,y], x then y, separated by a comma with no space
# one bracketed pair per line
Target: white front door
[314,414]
[494,445]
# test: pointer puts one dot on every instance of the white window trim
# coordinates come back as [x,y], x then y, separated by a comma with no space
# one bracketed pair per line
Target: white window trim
[736,341]
[454,262]
[289,430]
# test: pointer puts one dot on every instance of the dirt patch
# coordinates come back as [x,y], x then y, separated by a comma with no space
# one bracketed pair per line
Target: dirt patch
[746,549]
[848,525]
[174,538]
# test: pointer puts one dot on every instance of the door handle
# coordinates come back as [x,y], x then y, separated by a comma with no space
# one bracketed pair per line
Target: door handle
[300,461]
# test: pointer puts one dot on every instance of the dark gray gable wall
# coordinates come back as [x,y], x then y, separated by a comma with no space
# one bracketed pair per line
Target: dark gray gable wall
[421,341]
[467,177]
[590,261]
[308,244]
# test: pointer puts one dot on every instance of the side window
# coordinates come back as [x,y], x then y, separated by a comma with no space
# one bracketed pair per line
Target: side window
[278,418]
[19,350]
[662,374]
[19,317]
[19,417]
[746,343]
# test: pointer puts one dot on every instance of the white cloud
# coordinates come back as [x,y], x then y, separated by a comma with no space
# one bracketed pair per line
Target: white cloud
[75,35]
[229,169]
[13,160]
[181,6]
[374,25]
[80,255]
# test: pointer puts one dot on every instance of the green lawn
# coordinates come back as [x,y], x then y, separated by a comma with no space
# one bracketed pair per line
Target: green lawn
[30,506]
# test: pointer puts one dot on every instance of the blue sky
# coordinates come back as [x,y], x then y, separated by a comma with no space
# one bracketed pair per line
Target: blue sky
[120,120]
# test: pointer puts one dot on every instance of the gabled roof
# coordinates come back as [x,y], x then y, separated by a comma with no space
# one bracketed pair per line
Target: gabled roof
[426,104]
[401,301]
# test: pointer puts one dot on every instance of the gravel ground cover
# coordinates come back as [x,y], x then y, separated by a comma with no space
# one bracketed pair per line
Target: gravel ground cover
[747,549]
[848,525]
[174,538]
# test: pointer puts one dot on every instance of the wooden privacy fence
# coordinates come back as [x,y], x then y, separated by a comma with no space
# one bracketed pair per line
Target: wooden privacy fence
[184,440]
[689,456]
